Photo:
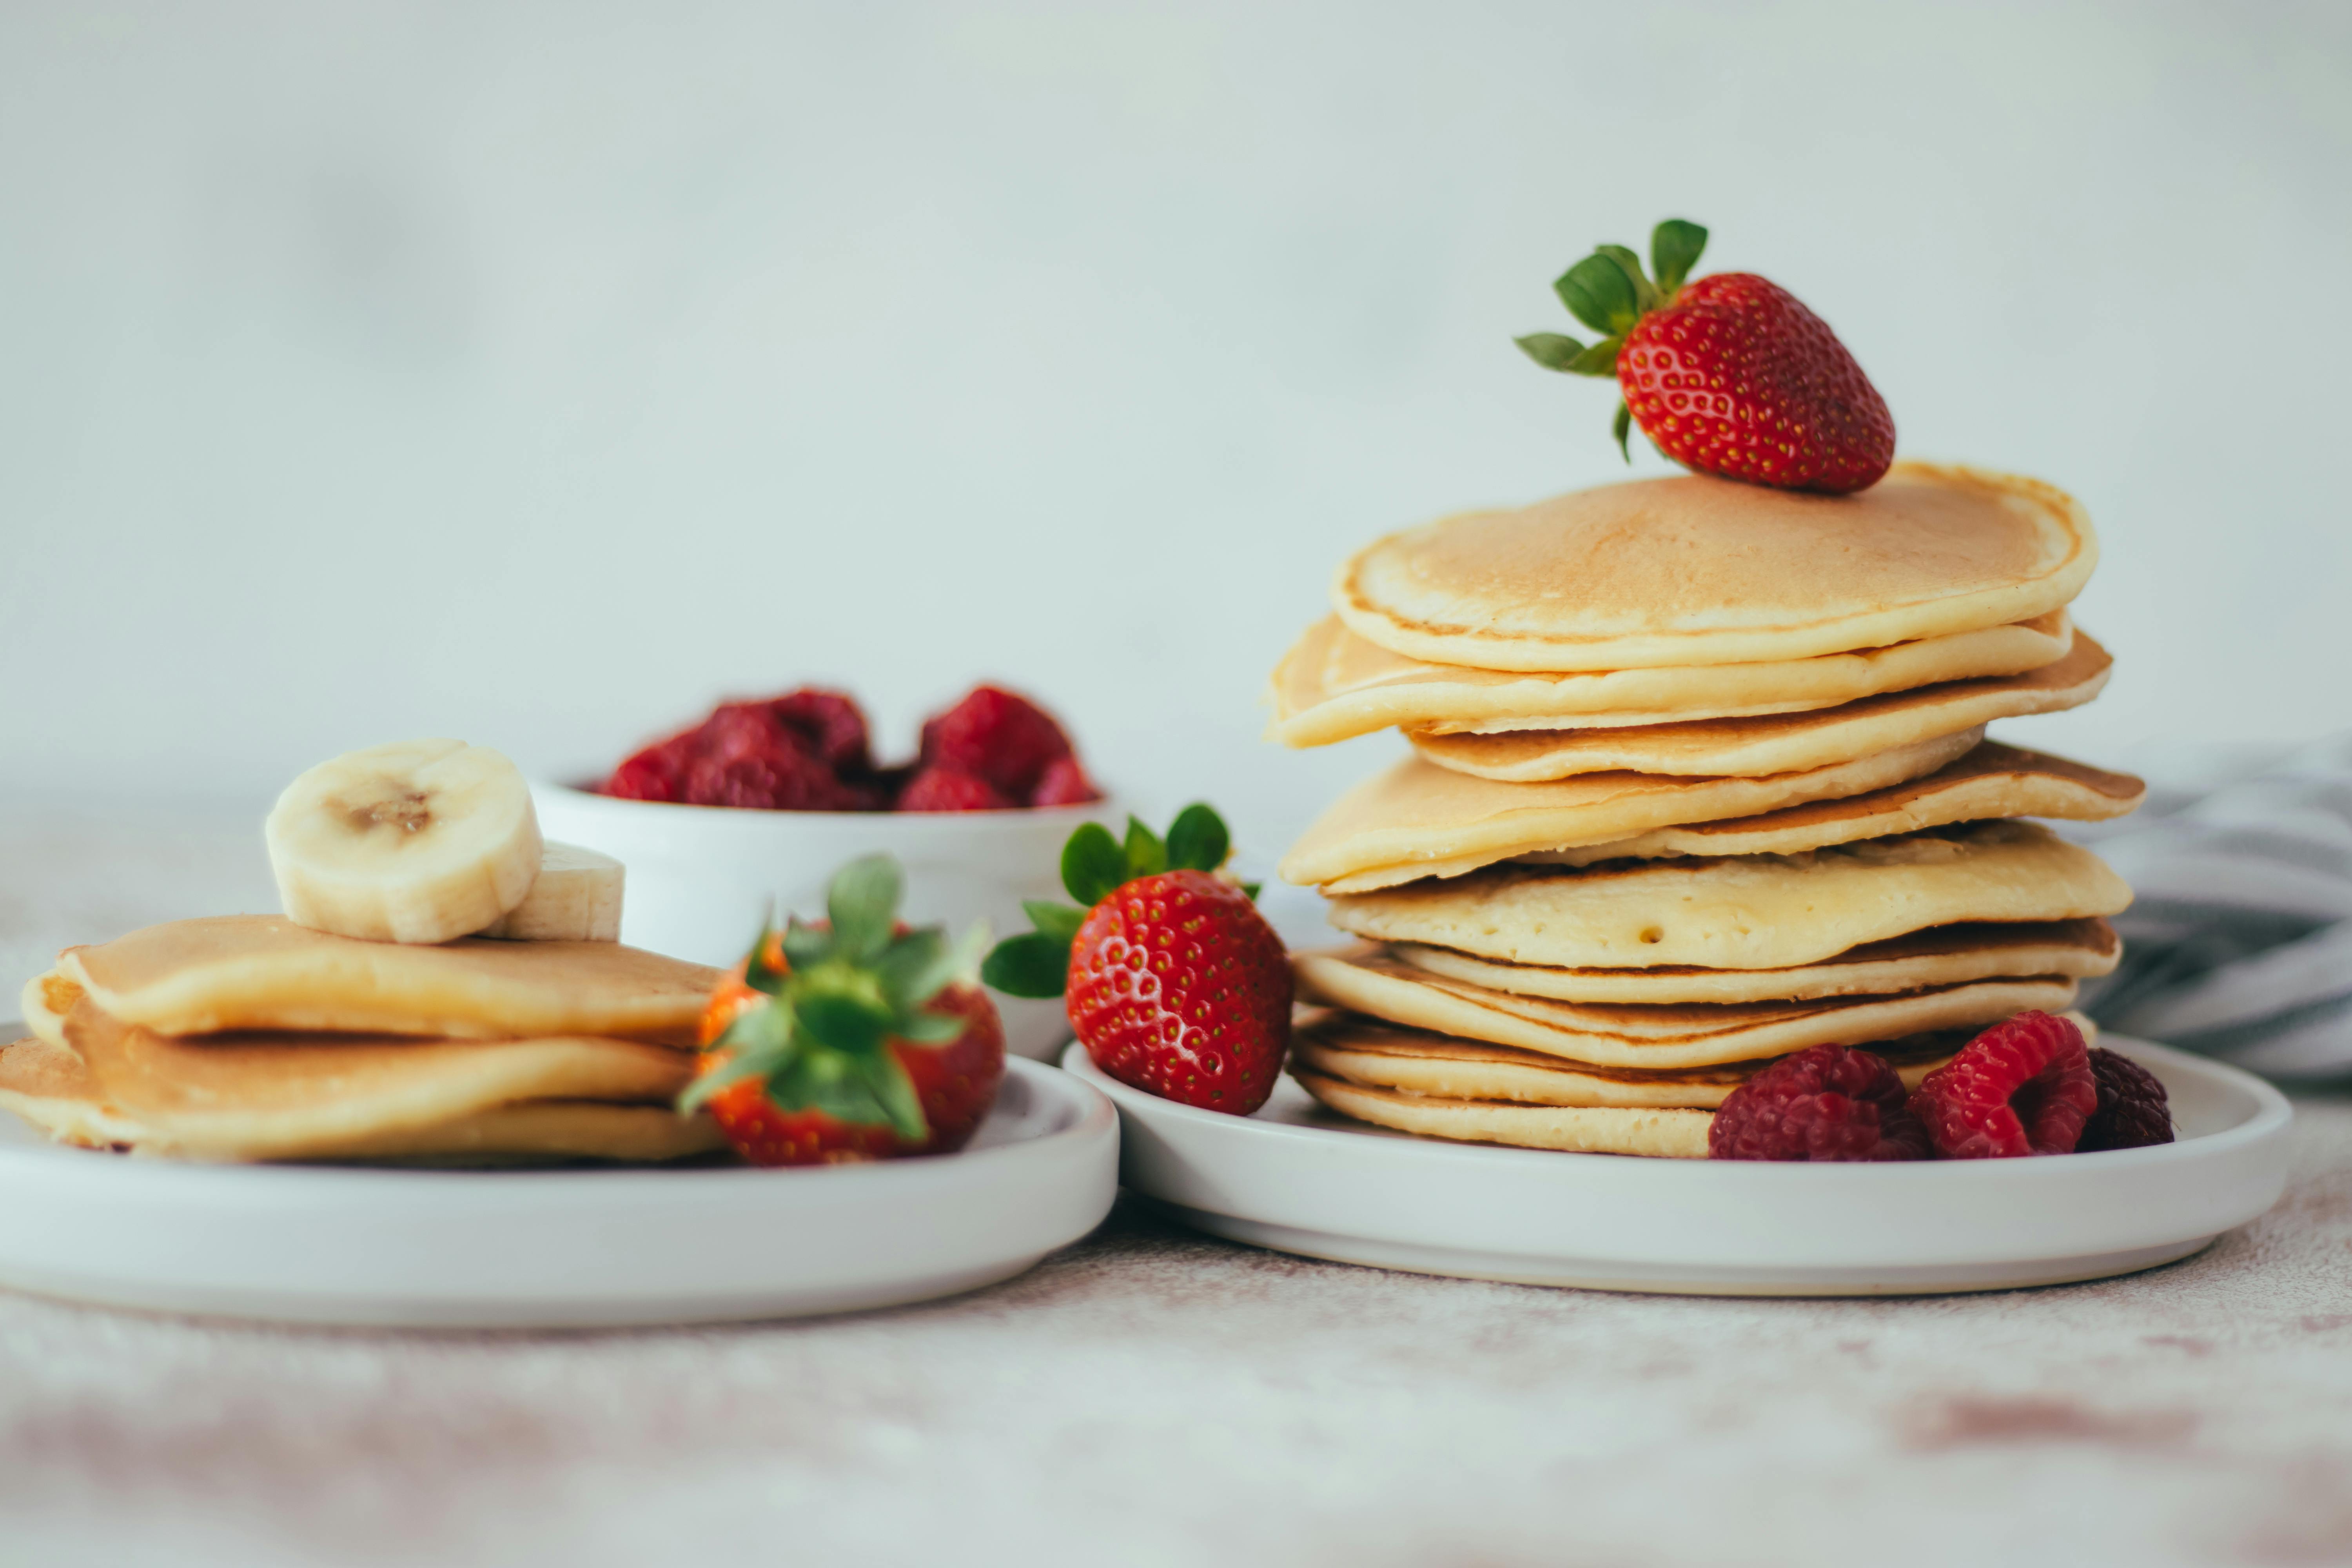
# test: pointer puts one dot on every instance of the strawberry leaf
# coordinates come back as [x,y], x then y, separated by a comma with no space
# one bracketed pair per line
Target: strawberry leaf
[863,904]
[1249,890]
[1093,865]
[913,968]
[894,1092]
[853,1025]
[805,947]
[1598,293]
[1553,351]
[1146,855]
[1622,427]
[1197,839]
[1646,293]
[1035,963]
[1054,919]
[1600,359]
[1675,248]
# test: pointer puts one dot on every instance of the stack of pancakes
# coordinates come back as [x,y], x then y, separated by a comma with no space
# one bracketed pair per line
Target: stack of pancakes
[1699,780]
[249,1037]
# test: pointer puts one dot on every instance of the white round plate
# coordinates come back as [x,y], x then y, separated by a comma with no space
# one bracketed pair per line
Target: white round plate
[560,1249]
[1296,1178]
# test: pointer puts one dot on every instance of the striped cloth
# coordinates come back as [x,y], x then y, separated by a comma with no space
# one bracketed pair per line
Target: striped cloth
[2240,942]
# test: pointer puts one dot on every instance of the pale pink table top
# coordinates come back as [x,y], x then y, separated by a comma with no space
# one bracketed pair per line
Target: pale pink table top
[1152,1396]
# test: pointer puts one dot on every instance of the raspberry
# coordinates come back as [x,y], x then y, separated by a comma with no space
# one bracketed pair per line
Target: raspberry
[653,774]
[1064,783]
[1005,739]
[1826,1102]
[2134,1111]
[2022,1087]
[775,779]
[950,789]
[830,723]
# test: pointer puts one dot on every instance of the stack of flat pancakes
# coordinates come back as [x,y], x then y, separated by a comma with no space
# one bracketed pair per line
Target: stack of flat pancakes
[249,1037]
[1699,779]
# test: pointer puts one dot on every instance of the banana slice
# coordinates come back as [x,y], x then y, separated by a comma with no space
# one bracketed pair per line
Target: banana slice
[423,841]
[576,899]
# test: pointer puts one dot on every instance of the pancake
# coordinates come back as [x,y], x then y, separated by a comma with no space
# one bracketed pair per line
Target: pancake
[1658,1037]
[45,1001]
[1943,956]
[293,1096]
[1333,685]
[262,971]
[47,1086]
[1675,1134]
[1672,1131]
[1415,1061]
[43,1081]
[1781,743]
[1993,781]
[1749,911]
[1416,819]
[1700,571]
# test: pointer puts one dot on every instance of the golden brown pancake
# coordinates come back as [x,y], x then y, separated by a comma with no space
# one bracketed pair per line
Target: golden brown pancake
[1333,685]
[1746,912]
[46,1000]
[1416,819]
[1786,742]
[262,971]
[46,1085]
[1699,570]
[1666,1133]
[1941,955]
[1658,1037]
[294,1096]
[1991,780]
[1416,1061]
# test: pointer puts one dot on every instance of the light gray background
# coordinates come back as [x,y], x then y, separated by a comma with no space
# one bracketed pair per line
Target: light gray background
[537,372]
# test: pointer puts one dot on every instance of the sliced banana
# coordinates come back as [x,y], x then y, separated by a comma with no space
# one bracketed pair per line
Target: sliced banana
[423,841]
[576,899]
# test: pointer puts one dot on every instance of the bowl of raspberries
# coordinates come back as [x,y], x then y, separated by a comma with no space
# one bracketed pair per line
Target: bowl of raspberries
[755,806]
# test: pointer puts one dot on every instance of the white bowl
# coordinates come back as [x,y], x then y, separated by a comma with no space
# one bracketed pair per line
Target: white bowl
[702,877]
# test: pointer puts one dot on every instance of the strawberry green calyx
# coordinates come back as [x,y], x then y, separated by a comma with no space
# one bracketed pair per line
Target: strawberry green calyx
[1094,866]
[838,996]
[1608,292]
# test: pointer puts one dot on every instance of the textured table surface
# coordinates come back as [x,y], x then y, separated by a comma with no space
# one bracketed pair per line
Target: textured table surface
[1152,1396]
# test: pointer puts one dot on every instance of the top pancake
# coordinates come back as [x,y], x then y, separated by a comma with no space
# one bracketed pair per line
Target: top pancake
[260,971]
[1333,685]
[1698,571]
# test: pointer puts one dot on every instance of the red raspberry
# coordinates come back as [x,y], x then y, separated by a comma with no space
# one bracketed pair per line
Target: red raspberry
[782,779]
[2134,1111]
[950,789]
[656,772]
[2022,1087]
[830,723]
[1005,739]
[1065,782]
[1827,1102]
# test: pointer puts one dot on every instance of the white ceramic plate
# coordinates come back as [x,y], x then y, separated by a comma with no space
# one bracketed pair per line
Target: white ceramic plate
[560,1249]
[1296,1178]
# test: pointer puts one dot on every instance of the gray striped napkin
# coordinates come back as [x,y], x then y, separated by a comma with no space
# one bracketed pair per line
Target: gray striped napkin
[2240,941]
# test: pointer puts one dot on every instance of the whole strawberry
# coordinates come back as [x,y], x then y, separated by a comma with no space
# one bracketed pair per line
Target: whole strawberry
[1173,981]
[1729,374]
[854,1039]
